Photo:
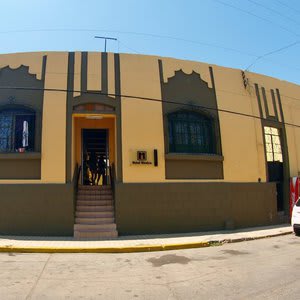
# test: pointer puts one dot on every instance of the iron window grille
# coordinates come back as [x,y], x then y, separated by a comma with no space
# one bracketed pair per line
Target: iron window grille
[273,144]
[191,132]
[12,132]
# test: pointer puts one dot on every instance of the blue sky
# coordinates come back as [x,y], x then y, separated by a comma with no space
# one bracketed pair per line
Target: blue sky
[230,33]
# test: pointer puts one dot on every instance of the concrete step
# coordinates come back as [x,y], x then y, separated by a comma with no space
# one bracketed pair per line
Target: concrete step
[95,208]
[95,227]
[95,202]
[95,234]
[94,214]
[94,220]
[94,187]
[94,197]
[95,192]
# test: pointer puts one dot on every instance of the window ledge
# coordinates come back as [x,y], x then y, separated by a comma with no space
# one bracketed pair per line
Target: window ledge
[185,156]
[25,155]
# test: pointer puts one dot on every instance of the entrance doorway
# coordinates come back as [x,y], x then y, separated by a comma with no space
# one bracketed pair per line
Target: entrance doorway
[95,157]
[275,162]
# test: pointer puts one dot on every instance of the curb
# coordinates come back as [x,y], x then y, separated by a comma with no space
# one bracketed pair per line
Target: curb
[132,249]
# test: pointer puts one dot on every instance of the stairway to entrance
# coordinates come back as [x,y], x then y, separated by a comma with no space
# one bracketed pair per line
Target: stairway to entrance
[95,214]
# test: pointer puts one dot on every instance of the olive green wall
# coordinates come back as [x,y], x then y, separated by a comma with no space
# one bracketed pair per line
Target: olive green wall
[144,208]
[14,166]
[36,209]
[187,166]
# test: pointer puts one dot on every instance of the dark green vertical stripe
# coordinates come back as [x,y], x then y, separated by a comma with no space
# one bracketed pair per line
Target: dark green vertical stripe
[70,87]
[104,73]
[265,102]
[84,70]
[118,115]
[218,130]
[274,104]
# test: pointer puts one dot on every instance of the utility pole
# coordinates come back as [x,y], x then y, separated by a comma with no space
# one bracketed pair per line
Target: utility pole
[105,38]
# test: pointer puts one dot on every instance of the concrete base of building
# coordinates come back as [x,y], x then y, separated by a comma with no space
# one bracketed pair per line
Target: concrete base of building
[141,208]
[36,209]
[149,208]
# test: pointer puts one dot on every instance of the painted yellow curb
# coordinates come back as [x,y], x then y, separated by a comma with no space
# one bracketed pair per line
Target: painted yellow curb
[144,248]
[132,249]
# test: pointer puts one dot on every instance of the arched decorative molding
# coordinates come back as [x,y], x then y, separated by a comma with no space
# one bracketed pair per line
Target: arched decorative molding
[188,92]
[110,77]
[34,62]
[192,77]
[188,68]
[193,109]
[10,106]
[20,87]
[93,107]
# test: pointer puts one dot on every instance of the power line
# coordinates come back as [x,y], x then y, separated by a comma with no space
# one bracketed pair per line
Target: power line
[135,33]
[274,11]
[288,6]
[256,16]
[272,52]
[257,57]
[156,36]
[130,48]
[147,99]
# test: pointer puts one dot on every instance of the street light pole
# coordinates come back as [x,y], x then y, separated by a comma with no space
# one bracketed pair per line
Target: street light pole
[105,38]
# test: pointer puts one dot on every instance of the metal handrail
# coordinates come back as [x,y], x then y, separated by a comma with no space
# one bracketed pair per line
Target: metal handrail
[112,172]
[76,176]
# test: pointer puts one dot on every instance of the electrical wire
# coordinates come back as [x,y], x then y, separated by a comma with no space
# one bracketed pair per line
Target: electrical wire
[156,36]
[272,52]
[129,48]
[147,99]
[274,11]
[135,33]
[288,6]
[257,16]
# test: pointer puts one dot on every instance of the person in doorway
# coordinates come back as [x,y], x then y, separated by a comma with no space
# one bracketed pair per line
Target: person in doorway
[101,170]
[93,166]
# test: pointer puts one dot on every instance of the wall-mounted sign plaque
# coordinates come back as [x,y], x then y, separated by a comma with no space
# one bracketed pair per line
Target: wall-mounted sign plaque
[141,158]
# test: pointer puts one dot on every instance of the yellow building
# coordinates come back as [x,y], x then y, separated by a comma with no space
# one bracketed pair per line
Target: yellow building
[100,144]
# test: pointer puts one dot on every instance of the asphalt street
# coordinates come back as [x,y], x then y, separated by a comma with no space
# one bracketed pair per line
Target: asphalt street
[260,269]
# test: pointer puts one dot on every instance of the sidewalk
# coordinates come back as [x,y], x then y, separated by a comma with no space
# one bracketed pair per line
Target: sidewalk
[141,243]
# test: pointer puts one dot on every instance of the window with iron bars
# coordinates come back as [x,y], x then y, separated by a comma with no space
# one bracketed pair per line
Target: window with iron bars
[273,144]
[17,130]
[191,132]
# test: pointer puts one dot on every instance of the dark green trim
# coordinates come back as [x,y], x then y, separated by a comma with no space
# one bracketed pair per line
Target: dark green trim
[84,71]
[280,105]
[104,72]
[272,121]
[147,208]
[70,87]
[179,156]
[36,209]
[286,164]
[27,165]
[20,167]
[44,65]
[190,89]
[274,104]
[265,102]
[217,120]
[93,112]
[95,97]
[119,118]
[26,155]
[262,127]
[259,100]
[185,168]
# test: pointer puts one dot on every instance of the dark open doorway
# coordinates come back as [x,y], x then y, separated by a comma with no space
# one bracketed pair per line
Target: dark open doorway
[275,162]
[95,157]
